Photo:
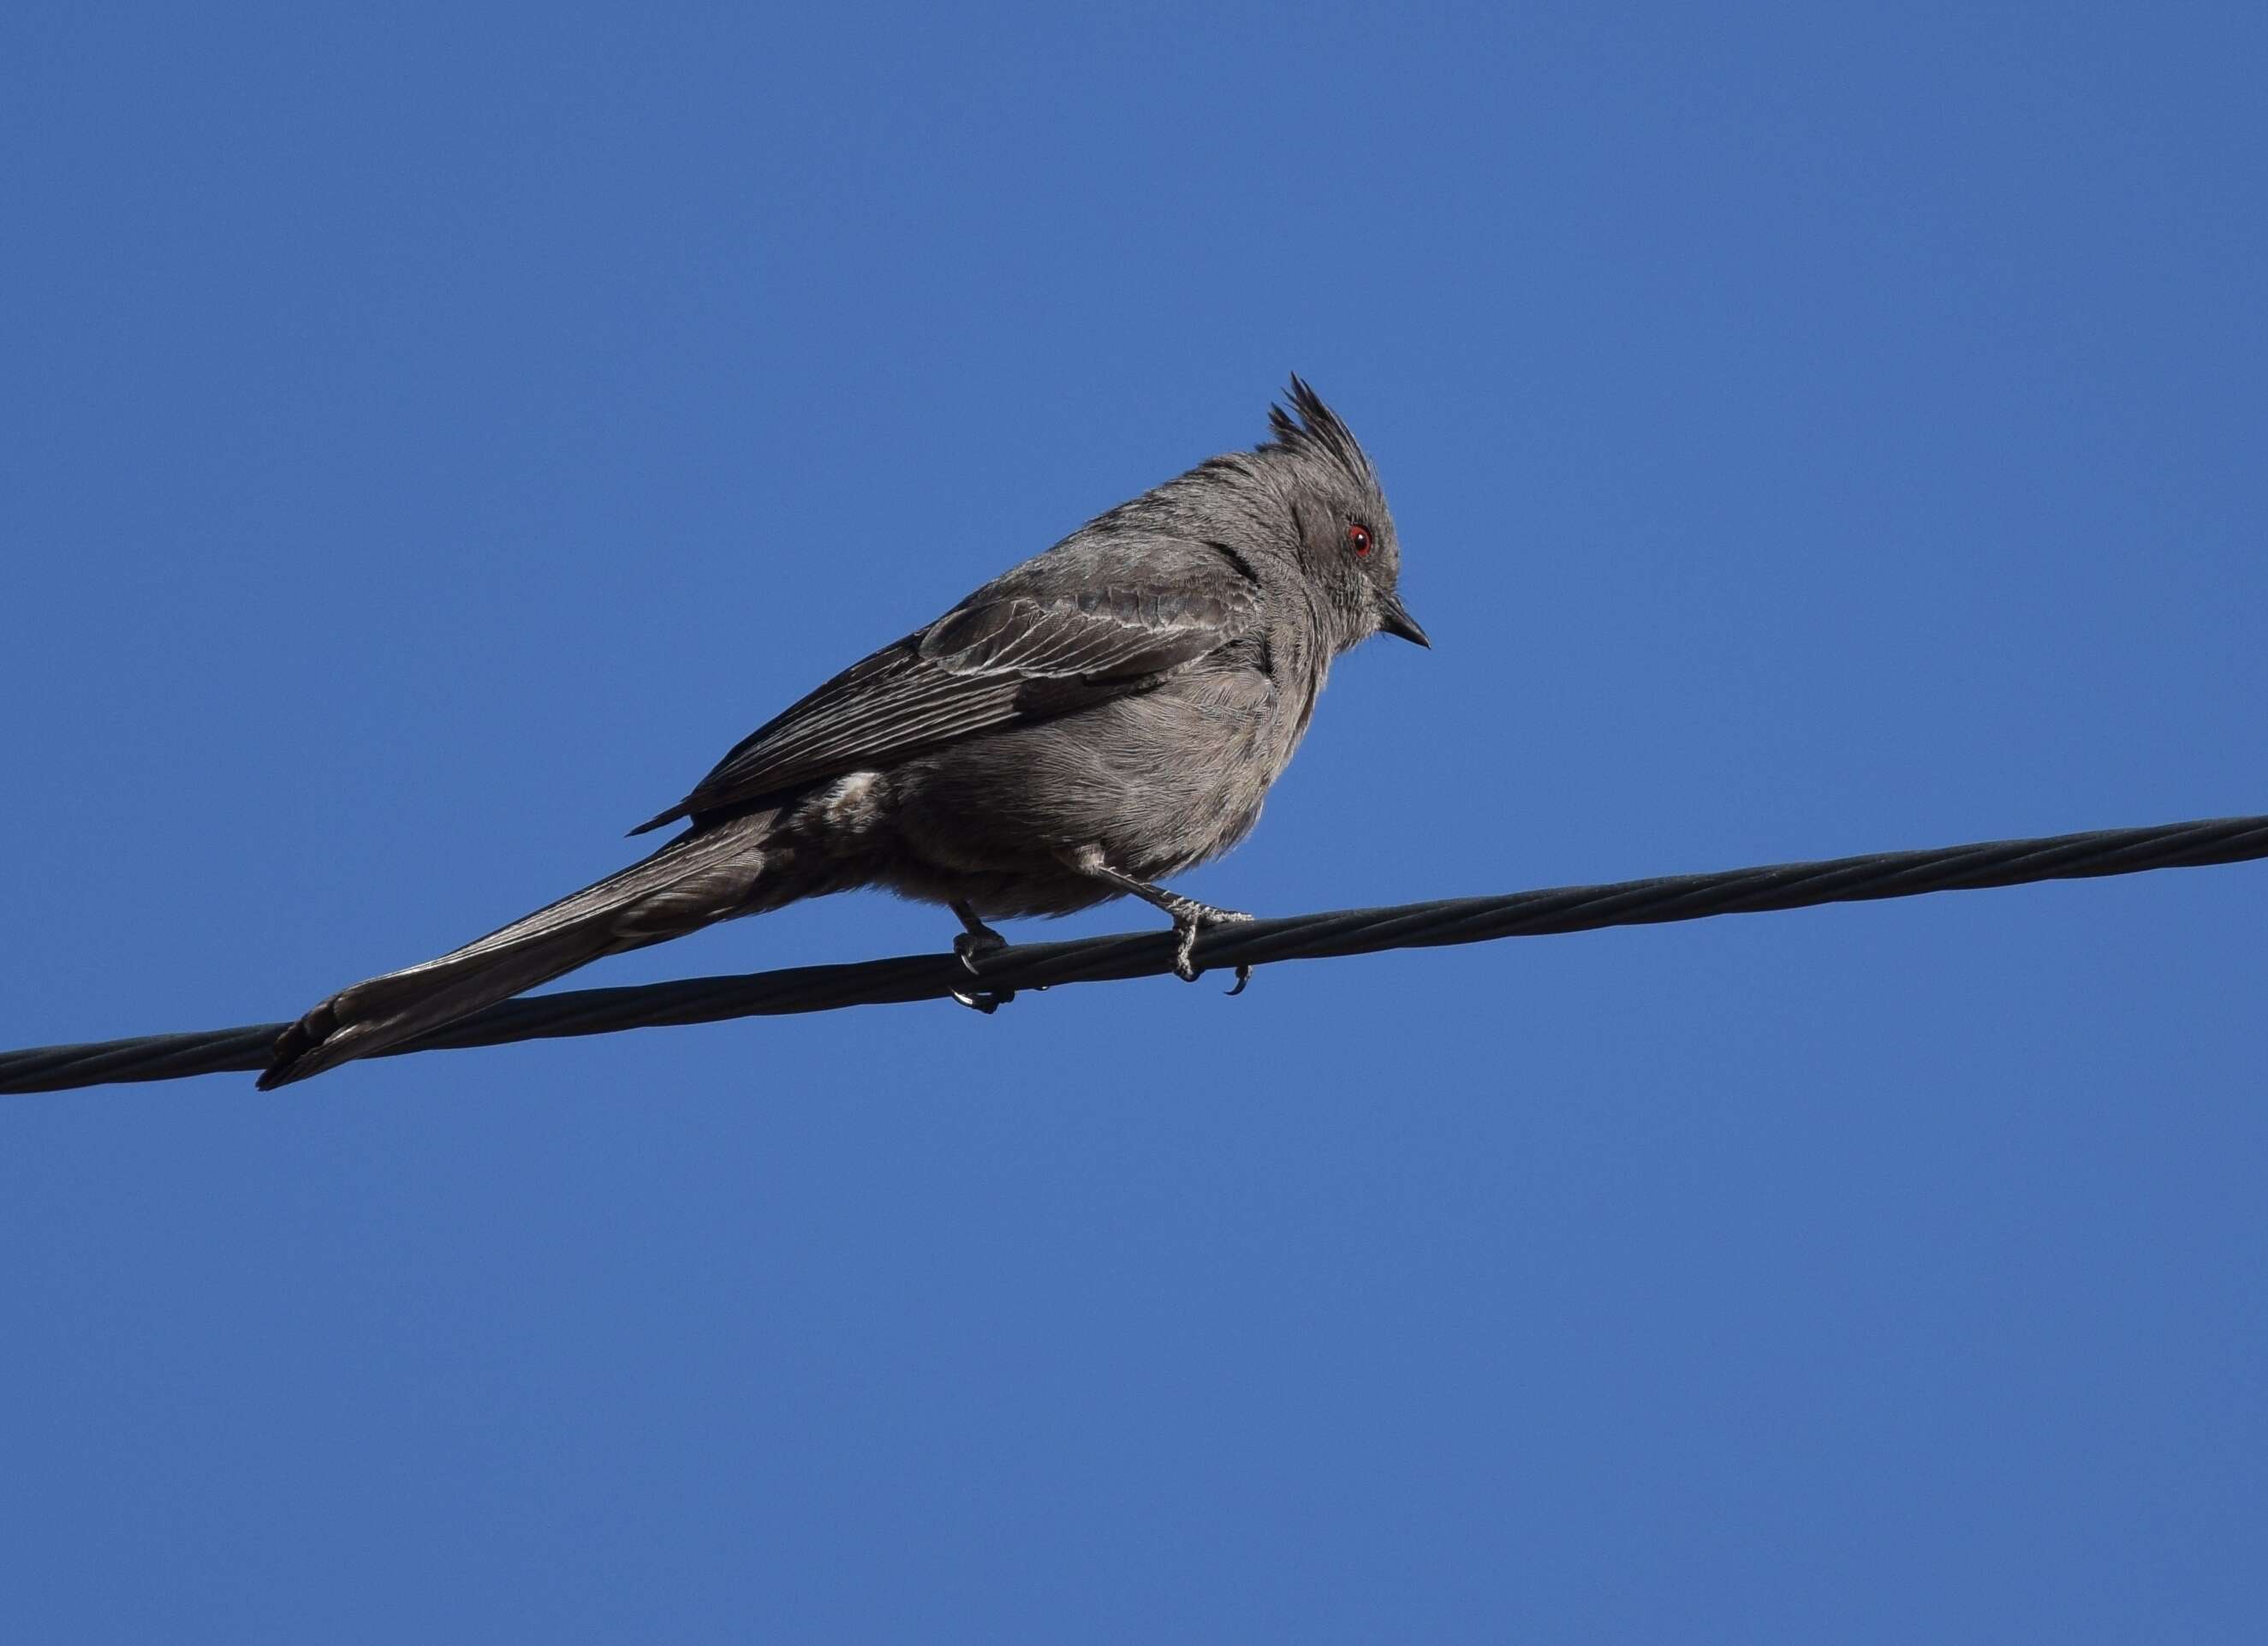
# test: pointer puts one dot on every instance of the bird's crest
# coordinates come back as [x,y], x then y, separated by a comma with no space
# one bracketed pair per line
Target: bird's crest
[1316,429]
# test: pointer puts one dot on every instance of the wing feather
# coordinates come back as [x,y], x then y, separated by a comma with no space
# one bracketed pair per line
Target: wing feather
[1015,652]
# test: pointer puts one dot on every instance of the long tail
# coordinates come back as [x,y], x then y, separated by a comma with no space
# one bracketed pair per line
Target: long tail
[731,868]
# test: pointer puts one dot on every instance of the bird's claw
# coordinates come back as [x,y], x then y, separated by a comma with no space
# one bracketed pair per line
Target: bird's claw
[1190,918]
[972,947]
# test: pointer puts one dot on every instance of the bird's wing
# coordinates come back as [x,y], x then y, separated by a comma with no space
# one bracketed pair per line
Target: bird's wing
[1015,652]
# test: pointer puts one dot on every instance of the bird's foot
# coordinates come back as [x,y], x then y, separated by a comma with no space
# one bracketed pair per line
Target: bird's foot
[974,947]
[1191,917]
[977,945]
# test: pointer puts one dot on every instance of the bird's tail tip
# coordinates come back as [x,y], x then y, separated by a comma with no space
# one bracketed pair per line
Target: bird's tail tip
[294,1056]
[685,885]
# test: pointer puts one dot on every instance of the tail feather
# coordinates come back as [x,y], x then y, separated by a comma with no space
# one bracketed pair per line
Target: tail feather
[695,879]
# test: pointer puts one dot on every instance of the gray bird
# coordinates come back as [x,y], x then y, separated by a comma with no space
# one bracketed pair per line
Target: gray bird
[1106,714]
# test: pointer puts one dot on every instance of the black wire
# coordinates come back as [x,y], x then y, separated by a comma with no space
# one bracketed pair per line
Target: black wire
[1148,954]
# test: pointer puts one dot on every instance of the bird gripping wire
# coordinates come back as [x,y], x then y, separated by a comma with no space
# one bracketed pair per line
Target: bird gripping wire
[1261,943]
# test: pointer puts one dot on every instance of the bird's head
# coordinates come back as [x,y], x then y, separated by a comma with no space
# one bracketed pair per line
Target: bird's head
[1346,545]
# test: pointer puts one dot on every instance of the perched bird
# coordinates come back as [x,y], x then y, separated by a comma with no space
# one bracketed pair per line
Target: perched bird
[1105,715]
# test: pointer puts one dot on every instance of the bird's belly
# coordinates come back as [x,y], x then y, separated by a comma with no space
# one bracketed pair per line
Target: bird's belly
[1160,782]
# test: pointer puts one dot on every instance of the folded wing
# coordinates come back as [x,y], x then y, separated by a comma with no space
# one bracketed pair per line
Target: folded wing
[1015,652]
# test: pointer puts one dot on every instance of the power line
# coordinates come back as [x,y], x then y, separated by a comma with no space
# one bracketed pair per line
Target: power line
[1149,954]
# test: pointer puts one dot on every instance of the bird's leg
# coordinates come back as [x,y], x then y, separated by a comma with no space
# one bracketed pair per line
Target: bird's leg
[972,946]
[1190,917]
[978,941]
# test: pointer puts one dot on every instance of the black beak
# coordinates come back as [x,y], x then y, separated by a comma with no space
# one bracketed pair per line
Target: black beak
[1394,618]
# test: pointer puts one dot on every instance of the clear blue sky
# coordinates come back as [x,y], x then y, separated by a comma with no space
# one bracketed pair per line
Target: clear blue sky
[431,437]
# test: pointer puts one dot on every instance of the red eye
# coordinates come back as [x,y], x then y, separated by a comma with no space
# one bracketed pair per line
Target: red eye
[1359,539]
